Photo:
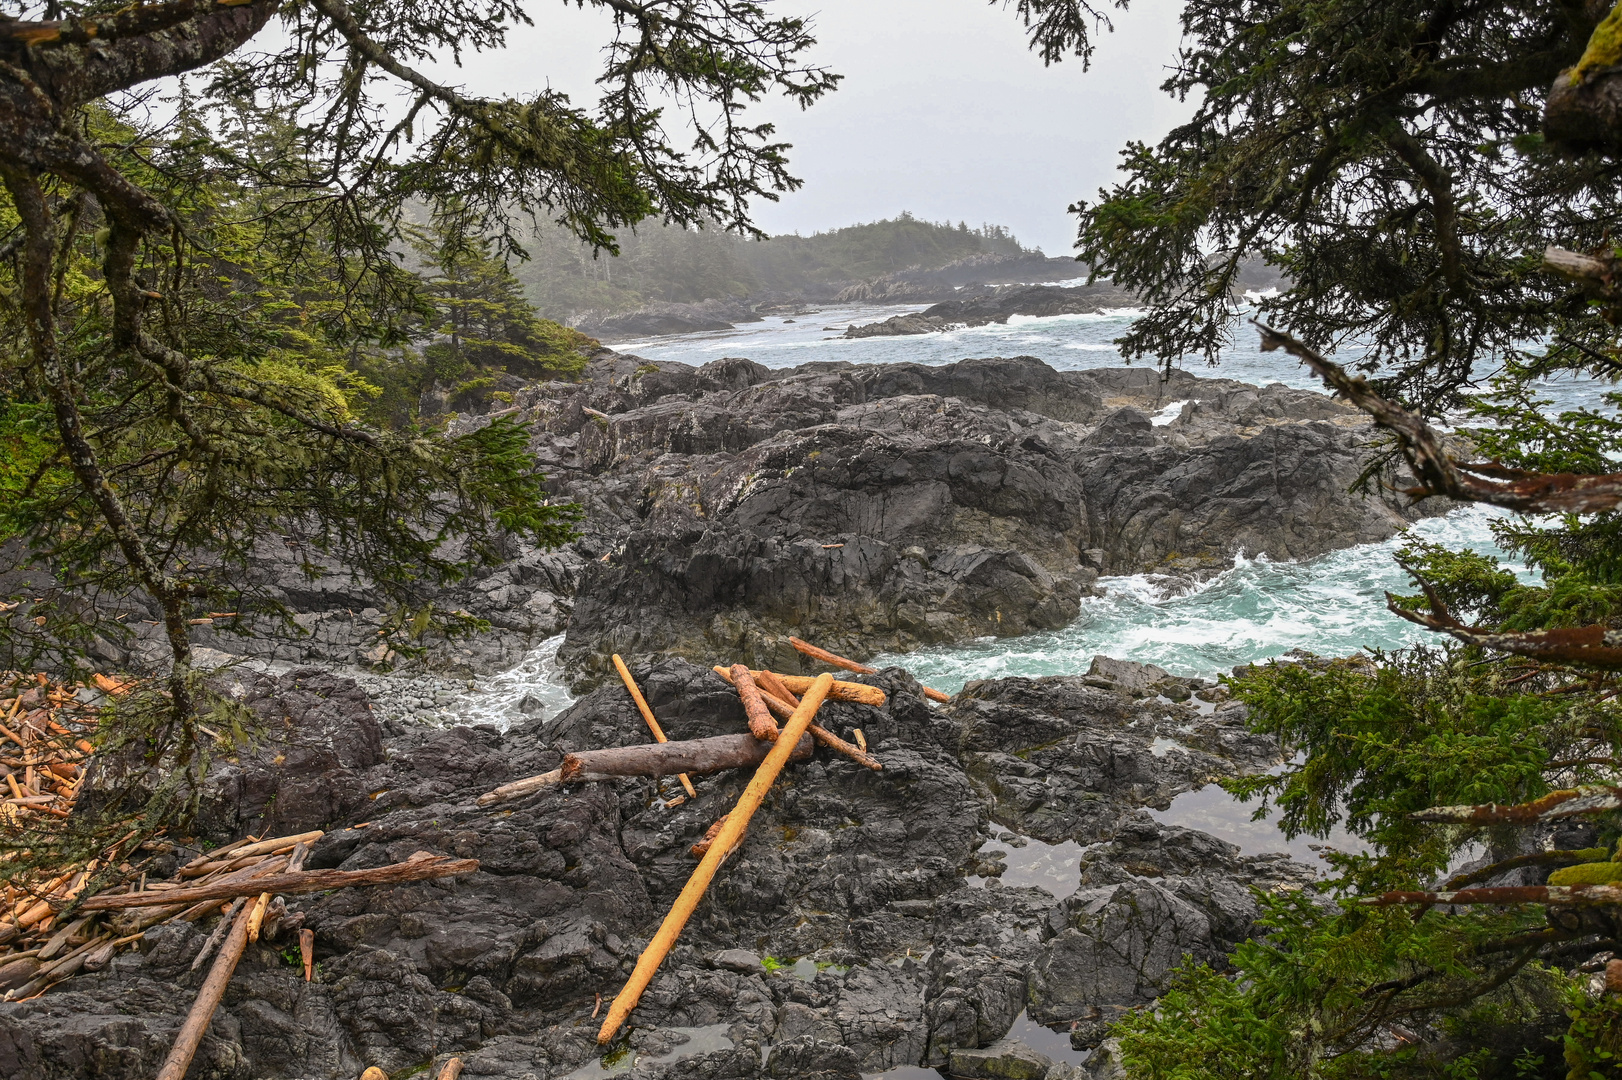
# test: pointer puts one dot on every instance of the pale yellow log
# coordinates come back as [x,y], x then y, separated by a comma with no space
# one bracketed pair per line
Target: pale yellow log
[647,714]
[730,834]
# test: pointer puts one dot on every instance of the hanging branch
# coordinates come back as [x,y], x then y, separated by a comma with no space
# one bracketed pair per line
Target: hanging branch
[1564,895]
[1480,481]
[1555,806]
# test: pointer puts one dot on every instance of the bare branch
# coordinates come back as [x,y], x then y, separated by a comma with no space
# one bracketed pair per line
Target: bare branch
[1484,482]
[1555,806]
[1562,895]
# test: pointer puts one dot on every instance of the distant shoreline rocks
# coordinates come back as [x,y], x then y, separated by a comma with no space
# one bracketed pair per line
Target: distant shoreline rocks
[999,307]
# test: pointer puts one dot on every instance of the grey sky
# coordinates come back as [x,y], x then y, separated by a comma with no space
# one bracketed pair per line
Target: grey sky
[943,110]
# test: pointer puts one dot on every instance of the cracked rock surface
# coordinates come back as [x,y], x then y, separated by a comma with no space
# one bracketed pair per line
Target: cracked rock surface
[859,927]
[870,508]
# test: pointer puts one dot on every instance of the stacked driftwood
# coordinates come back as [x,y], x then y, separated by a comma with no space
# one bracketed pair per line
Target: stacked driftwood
[44,740]
[767,697]
[55,924]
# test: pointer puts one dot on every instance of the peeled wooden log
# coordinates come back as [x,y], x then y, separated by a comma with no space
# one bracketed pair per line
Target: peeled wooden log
[305,881]
[785,709]
[850,665]
[143,917]
[761,724]
[647,714]
[842,691]
[699,756]
[216,860]
[737,821]
[208,999]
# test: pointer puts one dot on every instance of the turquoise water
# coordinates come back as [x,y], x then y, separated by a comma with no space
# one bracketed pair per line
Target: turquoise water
[1332,605]
[1258,609]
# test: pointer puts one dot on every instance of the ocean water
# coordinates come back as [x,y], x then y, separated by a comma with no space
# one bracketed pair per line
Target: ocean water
[1332,605]
[1065,342]
[1255,610]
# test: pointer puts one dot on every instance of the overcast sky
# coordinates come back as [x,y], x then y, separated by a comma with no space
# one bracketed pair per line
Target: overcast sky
[943,111]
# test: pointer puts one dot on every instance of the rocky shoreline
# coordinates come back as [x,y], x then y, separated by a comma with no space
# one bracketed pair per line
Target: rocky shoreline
[860,928]
[870,508]
[1000,305]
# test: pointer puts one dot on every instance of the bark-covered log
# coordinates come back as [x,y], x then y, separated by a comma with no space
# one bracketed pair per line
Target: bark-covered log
[305,881]
[700,756]
[661,759]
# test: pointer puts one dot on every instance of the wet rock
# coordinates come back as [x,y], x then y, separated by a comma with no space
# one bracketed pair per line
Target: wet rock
[1124,675]
[1064,759]
[857,876]
[297,758]
[1005,1059]
[740,960]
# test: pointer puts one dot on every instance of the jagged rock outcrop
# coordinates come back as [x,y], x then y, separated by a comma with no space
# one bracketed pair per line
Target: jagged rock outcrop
[998,306]
[863,878]
[868,507]
[890,506]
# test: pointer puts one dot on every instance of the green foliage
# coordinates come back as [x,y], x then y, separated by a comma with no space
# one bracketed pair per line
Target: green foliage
[1384,157]
[1381,740]
[1313,997]
[1593,1043]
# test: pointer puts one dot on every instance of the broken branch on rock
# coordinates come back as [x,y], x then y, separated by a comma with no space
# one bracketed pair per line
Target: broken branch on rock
[305,881]
[851,665]
[737,821]
[647,713]
[699,756]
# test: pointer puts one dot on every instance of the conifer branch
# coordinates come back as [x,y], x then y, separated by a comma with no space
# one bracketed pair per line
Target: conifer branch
[1555,806]
[1439,474]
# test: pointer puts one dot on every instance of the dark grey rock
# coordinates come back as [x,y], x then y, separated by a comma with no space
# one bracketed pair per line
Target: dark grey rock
[860,876]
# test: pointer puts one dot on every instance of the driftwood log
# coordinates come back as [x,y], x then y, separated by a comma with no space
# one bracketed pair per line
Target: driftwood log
[208,998]
[720,847]
[305,881]
[699,756]
[647,716]
[761,724]
[859,693]
[851,665]
[785,709]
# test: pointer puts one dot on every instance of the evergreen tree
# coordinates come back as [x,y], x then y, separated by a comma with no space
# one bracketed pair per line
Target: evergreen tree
[478,324]
[1407,166]
[184,309]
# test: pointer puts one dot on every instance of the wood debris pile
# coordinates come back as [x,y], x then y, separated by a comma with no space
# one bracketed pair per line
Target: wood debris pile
[767,697]
[55,924]
[45,732]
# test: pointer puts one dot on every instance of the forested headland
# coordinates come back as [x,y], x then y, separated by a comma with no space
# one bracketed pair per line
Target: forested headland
[565,278]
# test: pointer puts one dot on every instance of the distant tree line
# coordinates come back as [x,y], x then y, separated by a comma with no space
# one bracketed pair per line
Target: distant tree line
[564,277]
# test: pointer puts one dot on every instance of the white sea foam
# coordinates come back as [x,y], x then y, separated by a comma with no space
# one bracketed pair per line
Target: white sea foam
[1256,610]
[1168,414]
[533,688]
